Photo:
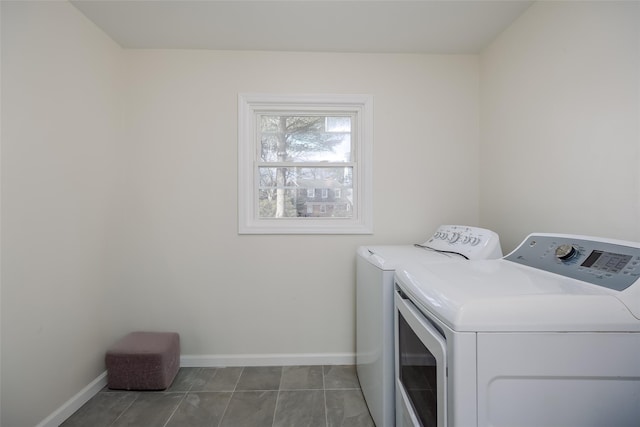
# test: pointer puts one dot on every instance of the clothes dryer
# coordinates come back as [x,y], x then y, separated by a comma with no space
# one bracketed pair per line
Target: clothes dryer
[547,336]
[376,266]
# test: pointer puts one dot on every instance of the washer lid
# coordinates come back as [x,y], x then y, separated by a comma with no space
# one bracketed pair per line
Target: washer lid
[390,257]
[499,295]
[449,242]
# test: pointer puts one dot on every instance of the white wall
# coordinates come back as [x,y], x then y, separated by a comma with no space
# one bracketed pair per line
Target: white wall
[560,116]
[61,149]
[119,198]
[185,266]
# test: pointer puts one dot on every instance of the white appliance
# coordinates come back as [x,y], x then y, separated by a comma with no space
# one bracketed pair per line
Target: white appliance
[375,271]
[547,336]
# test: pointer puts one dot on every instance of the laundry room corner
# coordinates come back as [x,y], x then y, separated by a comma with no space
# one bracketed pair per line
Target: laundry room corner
[560,141]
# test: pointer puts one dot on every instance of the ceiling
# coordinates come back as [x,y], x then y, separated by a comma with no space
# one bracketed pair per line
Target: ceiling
[392,26]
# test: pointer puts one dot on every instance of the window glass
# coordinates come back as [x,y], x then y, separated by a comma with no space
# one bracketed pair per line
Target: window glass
[290,138]
[285,192]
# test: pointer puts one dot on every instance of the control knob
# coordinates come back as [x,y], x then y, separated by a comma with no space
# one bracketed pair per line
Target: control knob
[566,252]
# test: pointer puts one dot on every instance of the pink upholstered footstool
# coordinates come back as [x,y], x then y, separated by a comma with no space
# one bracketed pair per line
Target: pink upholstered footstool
[143,361]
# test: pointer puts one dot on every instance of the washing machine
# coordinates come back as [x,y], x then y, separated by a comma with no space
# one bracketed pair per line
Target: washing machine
[547,336]
[376,266]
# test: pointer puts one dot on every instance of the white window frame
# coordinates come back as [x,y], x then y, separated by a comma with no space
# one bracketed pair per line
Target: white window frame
[250,105]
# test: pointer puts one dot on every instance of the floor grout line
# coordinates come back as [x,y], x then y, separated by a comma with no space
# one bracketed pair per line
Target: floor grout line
[125,409]
[198,371]
[324,394]
[235,387]
[226,407]
[275,409]
[184,396]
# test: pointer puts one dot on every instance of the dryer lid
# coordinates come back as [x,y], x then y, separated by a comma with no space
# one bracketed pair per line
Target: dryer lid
[502,296]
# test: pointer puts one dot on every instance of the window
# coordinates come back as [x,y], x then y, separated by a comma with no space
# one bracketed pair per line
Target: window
[291,145]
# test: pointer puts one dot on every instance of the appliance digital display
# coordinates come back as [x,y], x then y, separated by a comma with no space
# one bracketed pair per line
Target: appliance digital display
[606,261]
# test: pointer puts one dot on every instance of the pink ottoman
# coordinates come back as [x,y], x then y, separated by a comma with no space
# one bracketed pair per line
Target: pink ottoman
[143,361]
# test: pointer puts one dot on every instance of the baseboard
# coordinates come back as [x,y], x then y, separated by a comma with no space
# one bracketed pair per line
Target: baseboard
[218,361]
[204,361]
[73,404]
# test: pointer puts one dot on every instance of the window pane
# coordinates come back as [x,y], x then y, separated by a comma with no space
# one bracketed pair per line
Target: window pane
[290,192]
[311,138]
[338,124]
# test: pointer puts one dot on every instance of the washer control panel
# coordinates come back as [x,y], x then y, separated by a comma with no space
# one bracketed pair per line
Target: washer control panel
[472,242]
[603,262]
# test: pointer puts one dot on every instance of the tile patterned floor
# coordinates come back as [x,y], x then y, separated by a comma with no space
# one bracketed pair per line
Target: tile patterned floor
[289,396]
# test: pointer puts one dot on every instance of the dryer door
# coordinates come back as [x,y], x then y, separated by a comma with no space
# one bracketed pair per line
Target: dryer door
[420,368]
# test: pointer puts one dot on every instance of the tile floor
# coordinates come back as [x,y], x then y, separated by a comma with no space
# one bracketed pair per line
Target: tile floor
[289,396]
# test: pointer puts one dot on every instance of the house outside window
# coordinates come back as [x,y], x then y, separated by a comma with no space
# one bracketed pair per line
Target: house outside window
[290,145]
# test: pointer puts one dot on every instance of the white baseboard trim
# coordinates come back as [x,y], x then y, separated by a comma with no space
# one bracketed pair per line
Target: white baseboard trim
[223,360]
[73,404]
